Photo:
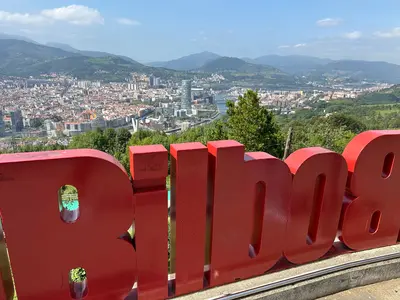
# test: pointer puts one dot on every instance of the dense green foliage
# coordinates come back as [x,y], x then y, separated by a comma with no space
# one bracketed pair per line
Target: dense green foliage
[333,124]
[253,125]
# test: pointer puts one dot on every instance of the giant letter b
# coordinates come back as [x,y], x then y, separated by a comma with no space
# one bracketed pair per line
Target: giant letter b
[43,248]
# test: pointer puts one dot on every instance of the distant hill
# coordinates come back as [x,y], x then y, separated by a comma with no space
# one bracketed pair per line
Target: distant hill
[248,74]
[187,63]
[386,96]
[96,68]
[360,70]
[233,64]
[293,64]
[4,36]
[62,46]
[17,55]
[89,53]
[316,68]
[20,58]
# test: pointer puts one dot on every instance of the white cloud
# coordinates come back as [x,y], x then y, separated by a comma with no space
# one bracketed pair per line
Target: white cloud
[126,21]
[354,35]
[395,32]
[294,46]
[201,32]
[193,40]
[329,22]
[73,14]
[17,18]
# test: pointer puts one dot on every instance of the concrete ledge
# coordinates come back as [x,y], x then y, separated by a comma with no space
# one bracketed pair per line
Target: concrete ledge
[318,287]
[334,283]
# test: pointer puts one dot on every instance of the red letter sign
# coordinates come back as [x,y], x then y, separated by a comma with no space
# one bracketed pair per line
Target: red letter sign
[250,203]
[43,248]
[188,215]
[318,188]
[149,167]
[231,224]
[268,185]
[370,215]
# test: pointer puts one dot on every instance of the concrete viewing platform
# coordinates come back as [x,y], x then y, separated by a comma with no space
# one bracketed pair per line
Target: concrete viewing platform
[370,281]
[387,290]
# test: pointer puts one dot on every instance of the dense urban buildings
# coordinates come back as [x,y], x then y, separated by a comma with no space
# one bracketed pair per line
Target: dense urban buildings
[58,107]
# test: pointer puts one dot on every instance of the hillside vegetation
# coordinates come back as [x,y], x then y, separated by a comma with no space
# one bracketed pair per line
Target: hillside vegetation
[361,70]
[333,124]
[386,96]
[233,64]
[189,62]
[23,59]
[16,55]
[241,72]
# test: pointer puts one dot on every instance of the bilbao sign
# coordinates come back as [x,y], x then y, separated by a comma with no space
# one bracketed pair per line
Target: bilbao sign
[239,213]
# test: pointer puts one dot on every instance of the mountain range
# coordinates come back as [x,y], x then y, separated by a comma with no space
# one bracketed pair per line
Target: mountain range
[189,62]
[89,53]
[23,59]
[233,64]
[299,65]
[20,56]
[290,63]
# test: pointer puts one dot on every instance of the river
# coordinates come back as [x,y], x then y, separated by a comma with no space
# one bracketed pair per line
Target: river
[220,100]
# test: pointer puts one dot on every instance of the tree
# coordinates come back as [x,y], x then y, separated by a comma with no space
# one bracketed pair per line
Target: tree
[122,138]
[217,130]
[347,122]
[108,137]
[253,125]
[320,133]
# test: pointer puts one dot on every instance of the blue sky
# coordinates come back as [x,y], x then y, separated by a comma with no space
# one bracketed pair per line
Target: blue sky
[156,30]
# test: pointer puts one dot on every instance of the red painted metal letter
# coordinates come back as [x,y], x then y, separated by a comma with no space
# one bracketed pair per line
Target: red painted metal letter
[370,213]
[149,168]
[318,188]
[250,194]
[231,214]
[268,187]
[43,248]
[188,215]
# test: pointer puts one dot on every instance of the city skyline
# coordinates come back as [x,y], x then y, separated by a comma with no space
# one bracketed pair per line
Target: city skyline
[160,31]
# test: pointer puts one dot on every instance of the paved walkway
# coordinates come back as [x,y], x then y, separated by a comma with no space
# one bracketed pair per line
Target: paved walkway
[387,290]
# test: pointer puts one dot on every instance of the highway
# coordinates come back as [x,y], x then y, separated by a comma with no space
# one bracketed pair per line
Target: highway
[206,121]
